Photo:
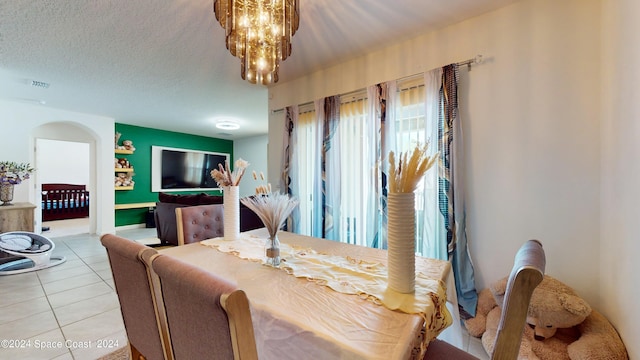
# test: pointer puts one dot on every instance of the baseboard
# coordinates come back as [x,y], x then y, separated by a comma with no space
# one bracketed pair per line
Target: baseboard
[131,227]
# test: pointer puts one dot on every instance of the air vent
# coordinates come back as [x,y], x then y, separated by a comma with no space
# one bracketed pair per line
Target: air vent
[40,84]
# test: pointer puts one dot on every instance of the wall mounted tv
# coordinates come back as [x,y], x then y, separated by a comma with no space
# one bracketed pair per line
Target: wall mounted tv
[174,169]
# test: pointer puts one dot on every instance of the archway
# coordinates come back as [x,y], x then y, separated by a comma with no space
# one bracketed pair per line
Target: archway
[70,132]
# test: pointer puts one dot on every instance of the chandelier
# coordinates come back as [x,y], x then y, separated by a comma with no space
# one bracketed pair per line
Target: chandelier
[259,34]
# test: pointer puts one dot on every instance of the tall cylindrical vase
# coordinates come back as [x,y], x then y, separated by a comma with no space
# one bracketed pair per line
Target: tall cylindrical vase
[231,200]
[6,194]
[401,253]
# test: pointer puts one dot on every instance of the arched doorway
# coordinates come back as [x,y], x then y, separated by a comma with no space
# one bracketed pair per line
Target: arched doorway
[67,132]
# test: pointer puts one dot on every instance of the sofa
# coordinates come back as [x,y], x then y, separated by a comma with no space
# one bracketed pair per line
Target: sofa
[165,214]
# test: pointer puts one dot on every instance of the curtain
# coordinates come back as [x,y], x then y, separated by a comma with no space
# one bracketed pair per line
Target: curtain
[330,163]
[433,232]
[289,180]
[451,188]
[327,189]
[305,162]
[382,130]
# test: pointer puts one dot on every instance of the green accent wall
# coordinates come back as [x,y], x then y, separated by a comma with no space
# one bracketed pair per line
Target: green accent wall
[143,139]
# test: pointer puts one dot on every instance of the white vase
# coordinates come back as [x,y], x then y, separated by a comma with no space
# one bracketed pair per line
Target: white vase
[231,200]
[401,253]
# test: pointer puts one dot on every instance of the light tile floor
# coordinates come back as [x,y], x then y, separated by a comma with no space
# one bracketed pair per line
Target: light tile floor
[71,311]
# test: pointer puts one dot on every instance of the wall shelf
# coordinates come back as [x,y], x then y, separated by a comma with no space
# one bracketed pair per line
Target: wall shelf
[119,170]
[124,188]
[123,151]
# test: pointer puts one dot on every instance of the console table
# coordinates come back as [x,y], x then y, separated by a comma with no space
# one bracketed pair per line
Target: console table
[17,217]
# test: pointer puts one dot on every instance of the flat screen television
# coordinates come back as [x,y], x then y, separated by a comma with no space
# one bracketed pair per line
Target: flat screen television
[174,169]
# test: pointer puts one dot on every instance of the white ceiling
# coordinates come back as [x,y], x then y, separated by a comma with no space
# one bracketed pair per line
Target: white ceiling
[163,63]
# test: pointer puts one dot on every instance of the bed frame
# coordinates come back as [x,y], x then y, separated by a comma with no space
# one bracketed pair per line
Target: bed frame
[64,201]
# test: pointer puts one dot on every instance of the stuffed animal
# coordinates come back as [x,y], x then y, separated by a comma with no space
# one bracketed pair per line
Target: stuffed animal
[561,325]
[128,145]
[123,179]
[116,139]
[123,163]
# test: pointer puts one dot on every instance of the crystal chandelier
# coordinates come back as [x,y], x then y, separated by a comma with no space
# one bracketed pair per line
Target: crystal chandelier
[259,34]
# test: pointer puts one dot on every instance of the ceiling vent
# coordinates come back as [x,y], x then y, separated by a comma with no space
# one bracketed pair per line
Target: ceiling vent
[40,84]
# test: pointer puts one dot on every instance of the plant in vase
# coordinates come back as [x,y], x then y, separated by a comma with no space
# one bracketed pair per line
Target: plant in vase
[229,180]
[403,181]
[273,209]
[12,173]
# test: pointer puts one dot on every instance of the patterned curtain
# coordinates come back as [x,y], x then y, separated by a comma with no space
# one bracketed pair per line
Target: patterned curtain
[330,166]
[288,180]
[383,131]
[326,186]
[451,194]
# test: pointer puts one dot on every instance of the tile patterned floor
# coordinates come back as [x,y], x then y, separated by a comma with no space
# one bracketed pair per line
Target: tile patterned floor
[71,311]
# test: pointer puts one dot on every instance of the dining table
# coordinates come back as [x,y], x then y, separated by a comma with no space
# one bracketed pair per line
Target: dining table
[328,299]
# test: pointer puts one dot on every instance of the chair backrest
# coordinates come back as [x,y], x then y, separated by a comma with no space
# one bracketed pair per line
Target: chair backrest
[207,317]
[200,222]
[139,296]
[526,274]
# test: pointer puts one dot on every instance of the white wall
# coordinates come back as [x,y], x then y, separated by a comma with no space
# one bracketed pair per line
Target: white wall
[531,126]
[254,150]
[620,283]
[63,162]
[531,118]
[26,122]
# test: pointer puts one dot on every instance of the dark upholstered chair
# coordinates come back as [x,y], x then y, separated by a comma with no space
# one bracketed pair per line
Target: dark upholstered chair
[197,223]
[526,274]
[140,298]
[207,317]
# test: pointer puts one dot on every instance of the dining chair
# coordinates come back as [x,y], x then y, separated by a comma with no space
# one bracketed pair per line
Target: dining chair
[199,222]
[208,318]
[526,274]
[138,291]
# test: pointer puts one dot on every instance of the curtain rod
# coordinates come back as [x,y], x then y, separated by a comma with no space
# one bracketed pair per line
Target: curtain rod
[476,60]
[473,61]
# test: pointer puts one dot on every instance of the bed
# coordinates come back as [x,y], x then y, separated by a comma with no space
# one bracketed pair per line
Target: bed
[64,201]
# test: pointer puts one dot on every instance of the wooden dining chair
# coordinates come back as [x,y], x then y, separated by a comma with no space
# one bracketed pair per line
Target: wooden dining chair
[208,318]
[200,222]
[526,274]
[138,291]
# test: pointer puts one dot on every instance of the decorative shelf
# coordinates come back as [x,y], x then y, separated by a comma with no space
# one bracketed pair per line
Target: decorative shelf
[124,188]
[122,170]
[123,151]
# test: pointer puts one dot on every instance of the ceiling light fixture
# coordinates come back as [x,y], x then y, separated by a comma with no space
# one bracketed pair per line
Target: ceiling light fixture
[259,34]
[227,125]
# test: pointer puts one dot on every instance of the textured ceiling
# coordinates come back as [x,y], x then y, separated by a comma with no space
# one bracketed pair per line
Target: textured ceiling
[163,63]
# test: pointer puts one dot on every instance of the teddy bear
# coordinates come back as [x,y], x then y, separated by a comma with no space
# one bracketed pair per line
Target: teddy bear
[122,163]
[560,324]
[128,145]
[123,179]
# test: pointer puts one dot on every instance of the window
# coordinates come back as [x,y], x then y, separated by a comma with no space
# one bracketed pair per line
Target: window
[359,165]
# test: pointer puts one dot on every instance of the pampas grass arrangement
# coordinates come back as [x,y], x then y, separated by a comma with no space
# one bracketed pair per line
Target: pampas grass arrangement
[404,177]
[272,208]
[225,177]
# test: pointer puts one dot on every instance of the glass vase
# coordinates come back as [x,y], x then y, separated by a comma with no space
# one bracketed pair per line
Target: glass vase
[272,251]
[6,194]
